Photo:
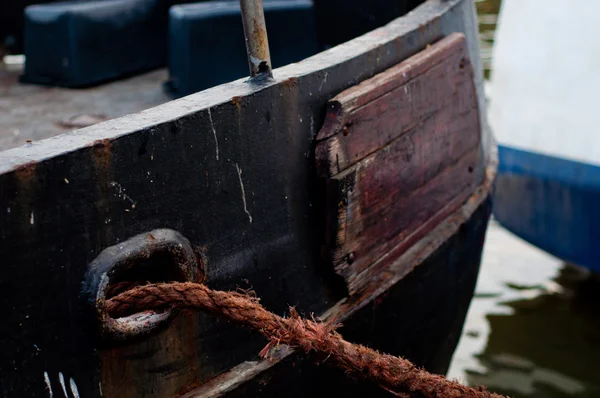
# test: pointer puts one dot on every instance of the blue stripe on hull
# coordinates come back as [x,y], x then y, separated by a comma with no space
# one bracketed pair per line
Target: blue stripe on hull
[551,202]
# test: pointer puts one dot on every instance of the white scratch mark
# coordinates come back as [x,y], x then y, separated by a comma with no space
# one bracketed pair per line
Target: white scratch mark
[239,171]
[323,81]
[74,389]
[212,125]
[37,348]
[100,388]
[48,385]
[8,209]
[121,193]
[61,378]
[32,219]
[312,125]
[66,181]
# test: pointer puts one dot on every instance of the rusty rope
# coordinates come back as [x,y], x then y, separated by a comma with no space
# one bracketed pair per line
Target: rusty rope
[395,374]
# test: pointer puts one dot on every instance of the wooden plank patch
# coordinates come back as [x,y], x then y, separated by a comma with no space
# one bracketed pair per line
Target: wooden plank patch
[399,152]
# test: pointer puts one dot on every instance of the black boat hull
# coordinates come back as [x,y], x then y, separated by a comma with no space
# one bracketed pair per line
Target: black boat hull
[232,169]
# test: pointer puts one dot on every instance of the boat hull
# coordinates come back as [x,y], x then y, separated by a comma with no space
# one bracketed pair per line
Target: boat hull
[550,202]
[542,111]
[232,169]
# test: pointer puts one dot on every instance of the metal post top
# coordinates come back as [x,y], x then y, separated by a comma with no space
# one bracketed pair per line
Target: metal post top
[257,43]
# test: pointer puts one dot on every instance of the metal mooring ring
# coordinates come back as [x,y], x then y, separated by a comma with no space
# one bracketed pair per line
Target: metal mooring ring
[162,255]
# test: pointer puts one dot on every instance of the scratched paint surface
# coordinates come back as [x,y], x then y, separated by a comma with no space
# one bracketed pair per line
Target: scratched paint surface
[59,387]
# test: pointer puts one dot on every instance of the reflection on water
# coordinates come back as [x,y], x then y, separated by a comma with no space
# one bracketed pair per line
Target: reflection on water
[533,329]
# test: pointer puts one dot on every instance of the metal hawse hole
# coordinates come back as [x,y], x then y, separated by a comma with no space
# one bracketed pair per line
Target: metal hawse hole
[162,255]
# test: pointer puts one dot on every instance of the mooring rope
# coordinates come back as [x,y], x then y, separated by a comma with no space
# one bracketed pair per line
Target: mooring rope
[395,374]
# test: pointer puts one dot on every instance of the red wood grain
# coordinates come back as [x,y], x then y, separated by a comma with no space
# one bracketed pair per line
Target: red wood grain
[437,81]
[399,153]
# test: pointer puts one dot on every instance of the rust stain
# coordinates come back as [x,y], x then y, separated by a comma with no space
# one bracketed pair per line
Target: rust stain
[237,101]
[101,159]
[290,83]
[25,198]
[260,37]
[102,153]
[26,172]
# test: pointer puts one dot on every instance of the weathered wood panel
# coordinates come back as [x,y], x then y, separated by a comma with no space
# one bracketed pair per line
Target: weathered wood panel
[434,86]
[397,150]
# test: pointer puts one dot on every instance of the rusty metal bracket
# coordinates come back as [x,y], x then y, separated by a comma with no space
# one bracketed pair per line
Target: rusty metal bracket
[162,255]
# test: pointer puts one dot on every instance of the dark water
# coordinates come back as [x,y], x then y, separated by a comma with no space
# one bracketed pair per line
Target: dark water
[533,329]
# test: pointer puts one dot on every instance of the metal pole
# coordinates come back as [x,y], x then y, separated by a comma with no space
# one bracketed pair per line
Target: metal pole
[257,43]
